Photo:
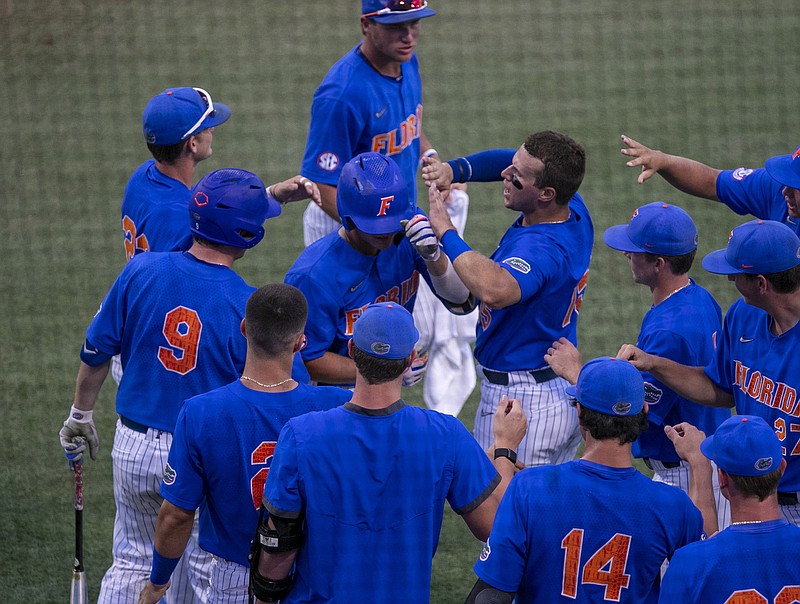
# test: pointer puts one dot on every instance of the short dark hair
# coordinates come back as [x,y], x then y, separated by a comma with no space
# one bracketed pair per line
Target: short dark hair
[624,429]
[564,162]
[679,265]
[168,154]
[757,486]
[787,281]
[274,317]
[375,370]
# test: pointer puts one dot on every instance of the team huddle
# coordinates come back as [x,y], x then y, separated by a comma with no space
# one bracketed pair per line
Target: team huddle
[263,451]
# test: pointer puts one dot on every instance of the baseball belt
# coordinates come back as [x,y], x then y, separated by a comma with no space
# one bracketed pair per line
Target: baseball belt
[501,377]
[135,426]
[667,465]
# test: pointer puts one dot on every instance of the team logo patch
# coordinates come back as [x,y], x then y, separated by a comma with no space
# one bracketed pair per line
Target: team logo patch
[652,394]
[741,173]
[328,161]
[169,475]
[380,348]
[518,264]
[763,464]
[485,552]
[621,408]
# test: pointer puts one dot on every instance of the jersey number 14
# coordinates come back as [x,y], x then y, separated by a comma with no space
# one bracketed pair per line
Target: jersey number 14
[605,567]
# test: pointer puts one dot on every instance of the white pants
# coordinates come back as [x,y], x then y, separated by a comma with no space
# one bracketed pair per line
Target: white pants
[317,224]
[139,461]
[553,434]
[229,582]
[791,513]
[679,477]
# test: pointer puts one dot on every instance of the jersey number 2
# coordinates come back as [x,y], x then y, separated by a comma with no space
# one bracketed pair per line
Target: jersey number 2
[788,595]
[605,567]
[260,455]
[182,329]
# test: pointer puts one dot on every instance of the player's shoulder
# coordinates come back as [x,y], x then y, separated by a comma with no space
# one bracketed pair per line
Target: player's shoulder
[347,73]
[323,397]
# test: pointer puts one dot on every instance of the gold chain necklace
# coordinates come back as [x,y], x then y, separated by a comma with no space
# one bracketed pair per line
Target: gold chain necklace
[275,385]
[749,522]
[677,290]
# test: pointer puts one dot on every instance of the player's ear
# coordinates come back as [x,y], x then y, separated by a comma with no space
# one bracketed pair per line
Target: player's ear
[242,328]
[365,23]
[300,343]
[350,348]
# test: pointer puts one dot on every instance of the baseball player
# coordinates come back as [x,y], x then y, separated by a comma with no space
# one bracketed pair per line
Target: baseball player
[754,366]
[370,100]
[588,530]
[531,288]
[355,495]
[368,260]
[223,445]
[684,322]
[753,561]
[178,126]
[769,193]
[174,318]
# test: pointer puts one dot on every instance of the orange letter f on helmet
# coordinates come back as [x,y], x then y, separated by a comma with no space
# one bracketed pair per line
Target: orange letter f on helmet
[385,203]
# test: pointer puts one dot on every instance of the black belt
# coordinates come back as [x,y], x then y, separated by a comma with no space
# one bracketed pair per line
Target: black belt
[787,498]
[135,426]
[667,464]
[501,377]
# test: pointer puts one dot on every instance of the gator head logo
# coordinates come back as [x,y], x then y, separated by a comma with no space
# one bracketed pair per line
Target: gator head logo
[169,475]
[652,394]
[380,348]
[518,264]
[485,552]
[763,464]
[621,408]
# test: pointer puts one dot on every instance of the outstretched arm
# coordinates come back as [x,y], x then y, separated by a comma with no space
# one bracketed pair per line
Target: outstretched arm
[684,174]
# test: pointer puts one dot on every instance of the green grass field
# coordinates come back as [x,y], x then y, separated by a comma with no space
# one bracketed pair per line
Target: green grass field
[710,80]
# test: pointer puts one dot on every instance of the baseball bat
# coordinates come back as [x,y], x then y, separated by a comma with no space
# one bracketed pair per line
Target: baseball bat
[77,593]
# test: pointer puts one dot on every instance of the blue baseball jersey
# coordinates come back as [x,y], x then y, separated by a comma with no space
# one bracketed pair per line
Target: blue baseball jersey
[221,454]
[551,264]
[372,485]
[155,212]
[175,321]
[683,328]
[355,110]
[339,282]
[755,192]
[760,370]
[585,532]
[747,564]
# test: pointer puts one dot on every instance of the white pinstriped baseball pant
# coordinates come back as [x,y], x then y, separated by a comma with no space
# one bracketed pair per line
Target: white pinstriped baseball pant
[679,477]
[139,461]
[553,434]
[229,582]
[317,224]
[791,513]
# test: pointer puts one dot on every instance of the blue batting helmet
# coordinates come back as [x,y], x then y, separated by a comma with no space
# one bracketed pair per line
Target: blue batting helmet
[372,196]
[229,207]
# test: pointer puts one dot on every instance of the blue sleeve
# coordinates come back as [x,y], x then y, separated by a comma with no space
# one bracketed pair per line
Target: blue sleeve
[678,580]
[282,495]
[747,191]
[323,316]
[474,475]
[105,331]
[670,345]
[334,130]
[484,166]
[719,369]
[183,483]
[531,267]
[505,554]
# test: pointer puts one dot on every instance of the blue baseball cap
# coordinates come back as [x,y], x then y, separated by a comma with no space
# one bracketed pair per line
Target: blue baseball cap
[611,386]
[178,113]
[785,169]
[656,228]
[744,445]
[385,330]
[395,11]
[758,247]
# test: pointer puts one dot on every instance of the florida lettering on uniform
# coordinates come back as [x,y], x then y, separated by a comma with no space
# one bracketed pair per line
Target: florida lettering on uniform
[400,295]
[394,141]
[765,390]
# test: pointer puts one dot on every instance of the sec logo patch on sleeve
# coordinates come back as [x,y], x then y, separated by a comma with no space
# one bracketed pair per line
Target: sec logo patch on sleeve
[328,161]
[486,551]
[518,264]
[741,173]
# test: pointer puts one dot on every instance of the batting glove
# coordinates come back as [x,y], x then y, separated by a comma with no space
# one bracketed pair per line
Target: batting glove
[422,237]
[78,431]
[414,374]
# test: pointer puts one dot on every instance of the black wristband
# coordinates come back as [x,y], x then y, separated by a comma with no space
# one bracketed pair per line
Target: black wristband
[510,454]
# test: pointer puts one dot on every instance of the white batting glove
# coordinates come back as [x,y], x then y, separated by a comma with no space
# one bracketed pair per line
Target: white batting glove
[414,374]
[77,432]
[422,237]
